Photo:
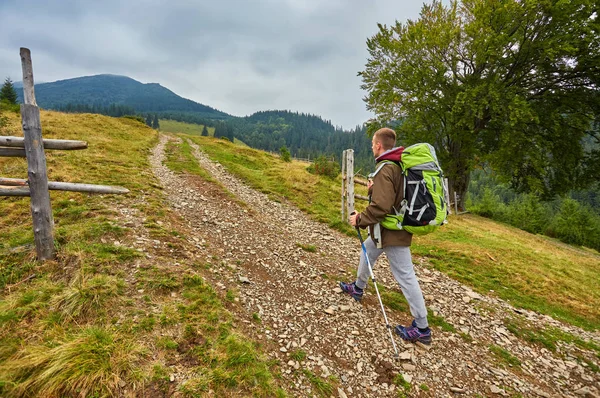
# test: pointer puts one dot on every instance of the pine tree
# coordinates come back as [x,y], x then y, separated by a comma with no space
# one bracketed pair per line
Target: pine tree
[204,132]
[8,92]
[155,124]
[149,120]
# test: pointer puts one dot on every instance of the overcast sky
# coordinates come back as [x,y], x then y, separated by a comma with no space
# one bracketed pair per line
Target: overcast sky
[233,55]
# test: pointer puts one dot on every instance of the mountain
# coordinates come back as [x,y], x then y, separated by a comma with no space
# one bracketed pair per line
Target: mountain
[106,90]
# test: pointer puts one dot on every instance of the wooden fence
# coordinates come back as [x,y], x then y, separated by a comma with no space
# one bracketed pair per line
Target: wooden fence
[37,186]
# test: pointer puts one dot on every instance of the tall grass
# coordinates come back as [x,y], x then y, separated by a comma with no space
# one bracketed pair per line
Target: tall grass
[93,362]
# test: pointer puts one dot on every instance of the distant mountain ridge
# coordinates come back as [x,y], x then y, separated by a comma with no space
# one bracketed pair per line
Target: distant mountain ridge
[104,90]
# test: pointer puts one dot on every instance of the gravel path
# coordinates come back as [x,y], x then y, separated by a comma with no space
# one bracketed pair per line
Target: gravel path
[312,329]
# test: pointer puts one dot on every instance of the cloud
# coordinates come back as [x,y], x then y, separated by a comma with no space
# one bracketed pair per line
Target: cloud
[237,56]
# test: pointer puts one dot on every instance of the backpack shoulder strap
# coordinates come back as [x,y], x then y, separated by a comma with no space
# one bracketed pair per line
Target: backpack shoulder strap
[383,163]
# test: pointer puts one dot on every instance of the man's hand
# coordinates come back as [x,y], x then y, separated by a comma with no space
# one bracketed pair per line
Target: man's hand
[353,218]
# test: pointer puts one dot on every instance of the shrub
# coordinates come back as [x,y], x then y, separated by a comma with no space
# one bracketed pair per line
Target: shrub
[528,213]
[325,167]
[489,205]
[135,117]
[285,154]
[576,224]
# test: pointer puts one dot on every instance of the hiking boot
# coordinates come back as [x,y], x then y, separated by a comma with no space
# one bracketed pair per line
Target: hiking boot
[353,290]
[413,334]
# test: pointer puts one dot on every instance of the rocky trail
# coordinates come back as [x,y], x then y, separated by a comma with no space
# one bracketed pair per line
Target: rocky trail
[312,329]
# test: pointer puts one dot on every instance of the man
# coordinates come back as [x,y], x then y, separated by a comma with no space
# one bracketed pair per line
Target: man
[386,193]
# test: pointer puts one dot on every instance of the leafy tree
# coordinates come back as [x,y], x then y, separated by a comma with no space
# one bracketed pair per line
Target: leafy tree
[8,92]
[285,154]
[204,131]
[512,84]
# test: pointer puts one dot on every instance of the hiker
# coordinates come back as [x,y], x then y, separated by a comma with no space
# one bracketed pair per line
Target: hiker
[386,193]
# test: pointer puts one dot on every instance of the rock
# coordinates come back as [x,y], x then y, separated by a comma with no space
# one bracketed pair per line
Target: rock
[341,393]
[283,349]
[458,390]
[408,367]
[495,390]
[244,279]
[330,310]
[408,378]
[584,392]
[541,393]
[338,290]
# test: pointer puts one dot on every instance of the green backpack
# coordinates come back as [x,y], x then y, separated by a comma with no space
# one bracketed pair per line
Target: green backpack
[424,208]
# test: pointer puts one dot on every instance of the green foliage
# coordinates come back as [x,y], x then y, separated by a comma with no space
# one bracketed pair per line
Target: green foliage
[403,385]
[305,136]
[325,167]
[576,224]
[565,219]
[285,154]
[490,82]
[114,110]
[8,92]
[137,118]
[489,205]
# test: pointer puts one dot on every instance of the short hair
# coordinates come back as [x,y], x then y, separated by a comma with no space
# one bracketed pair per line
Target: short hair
[387,138]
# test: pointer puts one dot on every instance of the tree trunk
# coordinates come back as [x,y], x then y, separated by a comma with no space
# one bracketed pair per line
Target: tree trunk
[459,175]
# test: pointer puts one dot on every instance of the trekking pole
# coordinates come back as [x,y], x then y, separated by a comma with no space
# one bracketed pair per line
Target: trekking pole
[387,324]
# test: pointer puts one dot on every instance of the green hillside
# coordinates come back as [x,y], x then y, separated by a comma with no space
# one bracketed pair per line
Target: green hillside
[127,300]
[104,90]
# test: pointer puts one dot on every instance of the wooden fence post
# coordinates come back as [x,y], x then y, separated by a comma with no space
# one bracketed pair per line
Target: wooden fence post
[350,181]
[343,185]
[41,211]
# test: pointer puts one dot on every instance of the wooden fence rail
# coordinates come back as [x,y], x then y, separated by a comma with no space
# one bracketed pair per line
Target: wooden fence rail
[62,186]
[37,186]
[19,142]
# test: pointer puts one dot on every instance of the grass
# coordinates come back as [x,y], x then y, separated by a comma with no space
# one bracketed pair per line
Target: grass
[322,387]
[529,271]
[92,362]
[86,323]
[281,181]
[403,386]
[173,126]
[504,356]
[298,355]
[547,337]
[307,248]
[180,158]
